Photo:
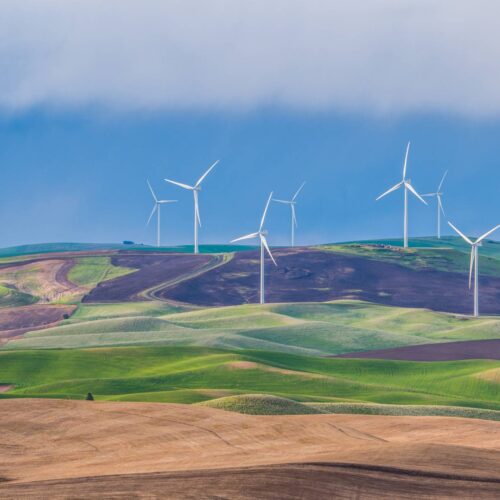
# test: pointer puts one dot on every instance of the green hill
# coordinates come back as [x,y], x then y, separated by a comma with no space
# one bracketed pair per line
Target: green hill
[309,328]
[191,374]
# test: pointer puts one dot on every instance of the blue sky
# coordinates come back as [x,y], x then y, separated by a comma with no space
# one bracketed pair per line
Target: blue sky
[82,177]
[96,97]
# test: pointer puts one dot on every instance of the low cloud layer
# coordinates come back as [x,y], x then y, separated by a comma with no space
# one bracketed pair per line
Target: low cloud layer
[363,56]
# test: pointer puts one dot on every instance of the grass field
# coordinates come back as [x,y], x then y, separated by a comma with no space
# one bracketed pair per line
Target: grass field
[309,329]
[448,254]
[89,271]
[193,374]
[10,297]
[489,247]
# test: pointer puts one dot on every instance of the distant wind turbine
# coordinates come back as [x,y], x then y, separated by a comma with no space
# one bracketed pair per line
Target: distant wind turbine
[439,204]
[195,189]
[156,208]
[261,234]
[406,184]
[474,264]
[292,203]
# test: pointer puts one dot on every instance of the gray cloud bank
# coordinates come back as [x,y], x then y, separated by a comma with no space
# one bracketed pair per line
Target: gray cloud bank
[369,56]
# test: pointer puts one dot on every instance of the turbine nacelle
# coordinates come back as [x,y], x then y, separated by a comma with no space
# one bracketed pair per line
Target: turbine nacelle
[195,190]
[473,257]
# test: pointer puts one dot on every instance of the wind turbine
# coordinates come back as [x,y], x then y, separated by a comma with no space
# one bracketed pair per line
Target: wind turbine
[261,234]
[292,203]
[156,208]
[474,262]
[406,184]
[195,189]
[439,204]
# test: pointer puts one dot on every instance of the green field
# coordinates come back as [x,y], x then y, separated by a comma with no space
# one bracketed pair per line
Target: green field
[309,328]
[89,271]
[448,254]
[194,374]
[11,297]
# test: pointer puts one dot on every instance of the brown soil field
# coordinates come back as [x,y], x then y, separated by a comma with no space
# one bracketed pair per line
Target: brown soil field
[446,351]
[14,321]
[80,449]
[153,270]
[307,275]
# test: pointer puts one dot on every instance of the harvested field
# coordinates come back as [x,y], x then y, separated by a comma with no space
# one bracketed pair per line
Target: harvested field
[153,270]
[308,275]
[449,351]
[94,449]
[14,321]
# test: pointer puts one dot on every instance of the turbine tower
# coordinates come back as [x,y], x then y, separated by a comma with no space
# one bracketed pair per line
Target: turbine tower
[406,184]
[195,189]
[157,208]
[474,264]
[261,234]
[292,203]
[439,204]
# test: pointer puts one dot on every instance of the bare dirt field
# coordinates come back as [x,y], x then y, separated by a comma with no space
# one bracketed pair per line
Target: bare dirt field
[308,275]
[153,270]
[70,449]
[14,321]
[448,351]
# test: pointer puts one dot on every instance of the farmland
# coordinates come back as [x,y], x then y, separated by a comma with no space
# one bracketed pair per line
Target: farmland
[191,374]
[361,371]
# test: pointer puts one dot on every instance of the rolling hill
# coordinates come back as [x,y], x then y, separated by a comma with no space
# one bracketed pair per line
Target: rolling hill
[311,328]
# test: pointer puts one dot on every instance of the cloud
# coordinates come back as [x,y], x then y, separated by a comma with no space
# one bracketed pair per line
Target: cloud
[362,56]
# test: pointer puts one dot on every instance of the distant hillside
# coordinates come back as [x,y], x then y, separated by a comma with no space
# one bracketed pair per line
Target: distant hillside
[41,248]
[489,248]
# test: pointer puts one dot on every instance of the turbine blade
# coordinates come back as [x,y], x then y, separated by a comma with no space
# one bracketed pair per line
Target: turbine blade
[442,180]
[152,192]
[485,235]
[427,195]
[246,237]
[185,186]
[406,160]
[282,201]
[265,212]
[460,233]
[472,254]
[393,188]
[298,191]
[440,203]
[264,242]
[155,207]
[167,201]
[200,180]
[411,188]
[294,217]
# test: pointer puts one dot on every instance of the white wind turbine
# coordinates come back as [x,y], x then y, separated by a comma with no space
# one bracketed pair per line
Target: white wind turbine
[292,203]
[195,189]
[439,204]
[261,234]
[474,264]
[157,208]
[406,184]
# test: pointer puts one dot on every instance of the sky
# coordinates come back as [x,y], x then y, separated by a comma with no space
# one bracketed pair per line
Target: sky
[96,97]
